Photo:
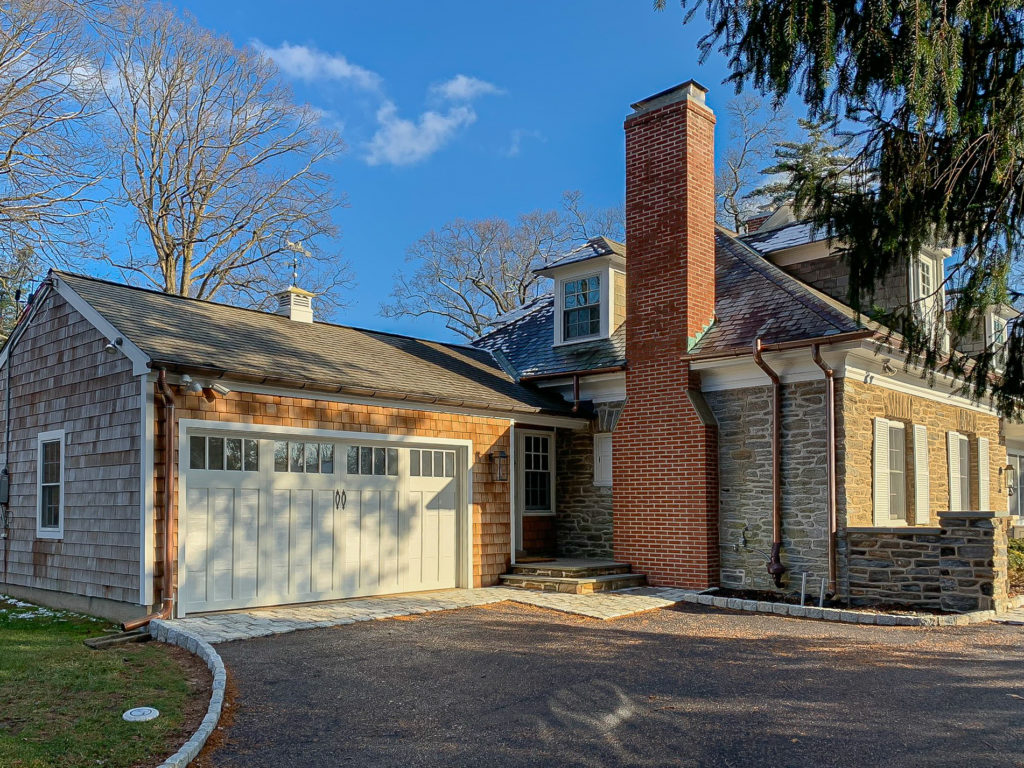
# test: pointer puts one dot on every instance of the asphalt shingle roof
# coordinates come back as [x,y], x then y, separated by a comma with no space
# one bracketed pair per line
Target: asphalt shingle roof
[185,333]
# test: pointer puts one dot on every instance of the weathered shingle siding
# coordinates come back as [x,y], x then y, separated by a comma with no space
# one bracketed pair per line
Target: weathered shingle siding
[62,379]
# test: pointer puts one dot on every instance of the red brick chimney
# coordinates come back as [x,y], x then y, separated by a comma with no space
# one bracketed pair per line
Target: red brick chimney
[665,448]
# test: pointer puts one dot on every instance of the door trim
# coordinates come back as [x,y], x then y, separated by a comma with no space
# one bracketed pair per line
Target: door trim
[463,471]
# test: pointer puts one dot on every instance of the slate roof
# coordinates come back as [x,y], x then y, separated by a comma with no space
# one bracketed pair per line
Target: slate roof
[789,236]
[753,296]
[182,333]
[595,247]
[527,342]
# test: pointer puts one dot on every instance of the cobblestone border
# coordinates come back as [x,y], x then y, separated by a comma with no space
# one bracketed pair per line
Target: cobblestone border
[175,635]
[841,615]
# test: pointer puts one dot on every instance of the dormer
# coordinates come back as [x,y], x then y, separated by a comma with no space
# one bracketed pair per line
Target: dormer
[589,291]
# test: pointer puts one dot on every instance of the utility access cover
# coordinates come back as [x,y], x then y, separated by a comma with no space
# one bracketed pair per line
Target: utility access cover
[140,714]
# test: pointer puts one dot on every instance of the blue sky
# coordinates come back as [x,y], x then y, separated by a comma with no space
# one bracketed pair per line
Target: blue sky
[539,110]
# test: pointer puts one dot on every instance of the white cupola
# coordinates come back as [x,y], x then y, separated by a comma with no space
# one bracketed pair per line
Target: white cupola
[296,304]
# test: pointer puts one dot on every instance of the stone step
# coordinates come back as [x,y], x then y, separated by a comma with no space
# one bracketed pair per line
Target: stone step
[567,569]
[579,586]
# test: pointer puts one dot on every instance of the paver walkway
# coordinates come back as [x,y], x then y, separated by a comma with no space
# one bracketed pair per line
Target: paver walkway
[1015,616]
[259,622]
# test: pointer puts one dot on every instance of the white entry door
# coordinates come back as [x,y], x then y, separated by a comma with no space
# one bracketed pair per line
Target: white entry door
[277,521]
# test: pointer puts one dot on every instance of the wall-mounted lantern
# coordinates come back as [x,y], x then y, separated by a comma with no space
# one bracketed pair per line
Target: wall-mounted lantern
[499,465]
[1008,475]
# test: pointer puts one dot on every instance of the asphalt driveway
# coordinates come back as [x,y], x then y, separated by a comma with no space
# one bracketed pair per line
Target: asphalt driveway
[512,685]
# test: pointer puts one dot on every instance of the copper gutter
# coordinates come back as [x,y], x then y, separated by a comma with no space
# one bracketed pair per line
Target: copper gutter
[567,374]
[782,346]
[830,419]
[775,566]
[167,584]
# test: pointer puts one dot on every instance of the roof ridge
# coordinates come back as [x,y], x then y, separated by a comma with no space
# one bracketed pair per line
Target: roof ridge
[805,294]
[154,291]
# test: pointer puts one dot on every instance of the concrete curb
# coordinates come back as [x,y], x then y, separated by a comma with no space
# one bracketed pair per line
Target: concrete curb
[167,633]
[842,616]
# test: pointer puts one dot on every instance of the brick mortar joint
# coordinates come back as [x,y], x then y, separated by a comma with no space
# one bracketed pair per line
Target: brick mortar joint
[195,645]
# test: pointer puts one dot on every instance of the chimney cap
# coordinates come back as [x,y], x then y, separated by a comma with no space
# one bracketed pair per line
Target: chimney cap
[690,90]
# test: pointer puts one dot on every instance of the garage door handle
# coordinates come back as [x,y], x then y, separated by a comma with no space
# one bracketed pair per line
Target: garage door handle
[340,499]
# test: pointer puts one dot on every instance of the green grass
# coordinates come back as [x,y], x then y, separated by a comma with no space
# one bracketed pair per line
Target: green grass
[1016,558]
[61,702]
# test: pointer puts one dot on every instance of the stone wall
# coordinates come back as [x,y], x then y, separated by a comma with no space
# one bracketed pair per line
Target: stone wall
[583,521]
[857,404]
[745,484]
[958,566]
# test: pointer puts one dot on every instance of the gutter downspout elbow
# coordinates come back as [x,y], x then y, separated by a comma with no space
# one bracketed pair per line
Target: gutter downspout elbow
[830,426]
[775,566]
[167,584]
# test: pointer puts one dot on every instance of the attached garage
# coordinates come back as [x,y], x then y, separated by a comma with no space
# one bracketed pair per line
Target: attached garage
[270,519]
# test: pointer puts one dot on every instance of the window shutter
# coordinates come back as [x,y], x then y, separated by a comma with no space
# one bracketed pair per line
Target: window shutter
[922,479]
[953,453]
[602,459]
[881,472]
[983,475]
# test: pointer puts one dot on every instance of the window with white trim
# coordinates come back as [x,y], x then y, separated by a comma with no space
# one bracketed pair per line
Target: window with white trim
[537,464]
[581,308]
[423,463]
[50,495]
[889,468]
[603,460]
[897,472]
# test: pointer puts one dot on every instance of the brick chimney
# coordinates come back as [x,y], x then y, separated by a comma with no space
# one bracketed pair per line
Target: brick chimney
[665,446]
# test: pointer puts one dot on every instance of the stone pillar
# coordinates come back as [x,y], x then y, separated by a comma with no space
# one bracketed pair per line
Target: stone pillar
[973,561]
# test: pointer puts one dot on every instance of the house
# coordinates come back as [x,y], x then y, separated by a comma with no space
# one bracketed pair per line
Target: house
[700,405]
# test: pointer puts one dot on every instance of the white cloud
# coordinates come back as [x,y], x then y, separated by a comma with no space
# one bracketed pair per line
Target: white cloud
[516,139]
[464,88]
[399,141]
[309,64]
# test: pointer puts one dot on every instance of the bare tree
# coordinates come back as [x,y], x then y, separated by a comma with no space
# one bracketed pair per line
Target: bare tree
[470,272]
[49,170]
[754,129]
[220,166]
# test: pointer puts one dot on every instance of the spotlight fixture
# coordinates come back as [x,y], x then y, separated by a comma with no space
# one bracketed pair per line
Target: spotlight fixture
[191,385]
[887,367]
[220,389]
[114,345]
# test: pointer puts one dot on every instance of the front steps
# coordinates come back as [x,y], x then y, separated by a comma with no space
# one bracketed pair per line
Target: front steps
[580,577]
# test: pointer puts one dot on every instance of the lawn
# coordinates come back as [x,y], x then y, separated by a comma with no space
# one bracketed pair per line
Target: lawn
[61,702]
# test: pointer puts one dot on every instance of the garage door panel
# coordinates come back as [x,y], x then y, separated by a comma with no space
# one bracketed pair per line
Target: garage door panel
[278,536]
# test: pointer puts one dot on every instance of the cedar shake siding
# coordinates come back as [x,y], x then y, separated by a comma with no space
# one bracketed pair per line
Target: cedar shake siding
[61,378]
[490,502]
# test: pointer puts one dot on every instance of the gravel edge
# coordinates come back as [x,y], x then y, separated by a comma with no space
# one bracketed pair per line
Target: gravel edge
[166,633]
[844,616]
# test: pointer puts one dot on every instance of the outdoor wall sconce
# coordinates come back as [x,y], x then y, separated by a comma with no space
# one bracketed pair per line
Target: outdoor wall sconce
[1008,474]
[114,346]
[499,465]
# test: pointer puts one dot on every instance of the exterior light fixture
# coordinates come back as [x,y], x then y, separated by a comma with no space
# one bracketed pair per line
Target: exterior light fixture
[1009,478]
[114,346]
[887,367]
[191,385]
[499,465]
[220,389]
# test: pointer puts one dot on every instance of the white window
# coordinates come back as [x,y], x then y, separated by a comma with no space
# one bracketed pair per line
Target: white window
[431,463]
[959,452]
[309,458]
[581,308]
[890,473]
[234,454]
[1012,484]
[538,478]
[998,340]
[925,278]
[603,459]
[50,496]
[367,460]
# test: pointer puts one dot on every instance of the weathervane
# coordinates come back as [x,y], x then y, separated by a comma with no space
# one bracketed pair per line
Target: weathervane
[296,248]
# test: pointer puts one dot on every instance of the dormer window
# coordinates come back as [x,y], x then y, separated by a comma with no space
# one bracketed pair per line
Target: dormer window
[581,308]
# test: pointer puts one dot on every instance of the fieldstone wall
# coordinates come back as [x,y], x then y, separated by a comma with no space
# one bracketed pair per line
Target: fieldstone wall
[745,484]
[959,566]
[583,512]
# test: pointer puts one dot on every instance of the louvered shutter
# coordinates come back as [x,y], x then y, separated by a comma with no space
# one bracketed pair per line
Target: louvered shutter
[983,475]
[953,453]
[602,460]
[922,479]
[881,472]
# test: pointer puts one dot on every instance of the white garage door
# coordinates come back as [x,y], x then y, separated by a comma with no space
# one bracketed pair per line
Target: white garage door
[269,522]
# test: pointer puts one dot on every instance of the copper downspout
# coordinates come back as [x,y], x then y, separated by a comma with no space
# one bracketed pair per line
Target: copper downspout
[775,566]
[830,417]
[167,584]
[575,393]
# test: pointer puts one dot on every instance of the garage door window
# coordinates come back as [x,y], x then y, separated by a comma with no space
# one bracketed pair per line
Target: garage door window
[432,463]
[309,458]
[224,453]
[364,460]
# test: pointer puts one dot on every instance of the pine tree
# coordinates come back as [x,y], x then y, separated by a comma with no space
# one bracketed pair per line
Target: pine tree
[820,155]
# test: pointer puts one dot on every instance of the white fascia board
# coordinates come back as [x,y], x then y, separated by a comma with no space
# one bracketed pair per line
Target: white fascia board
[147,510]
[792,365]
[140,360]
[601,388]
[546,420]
